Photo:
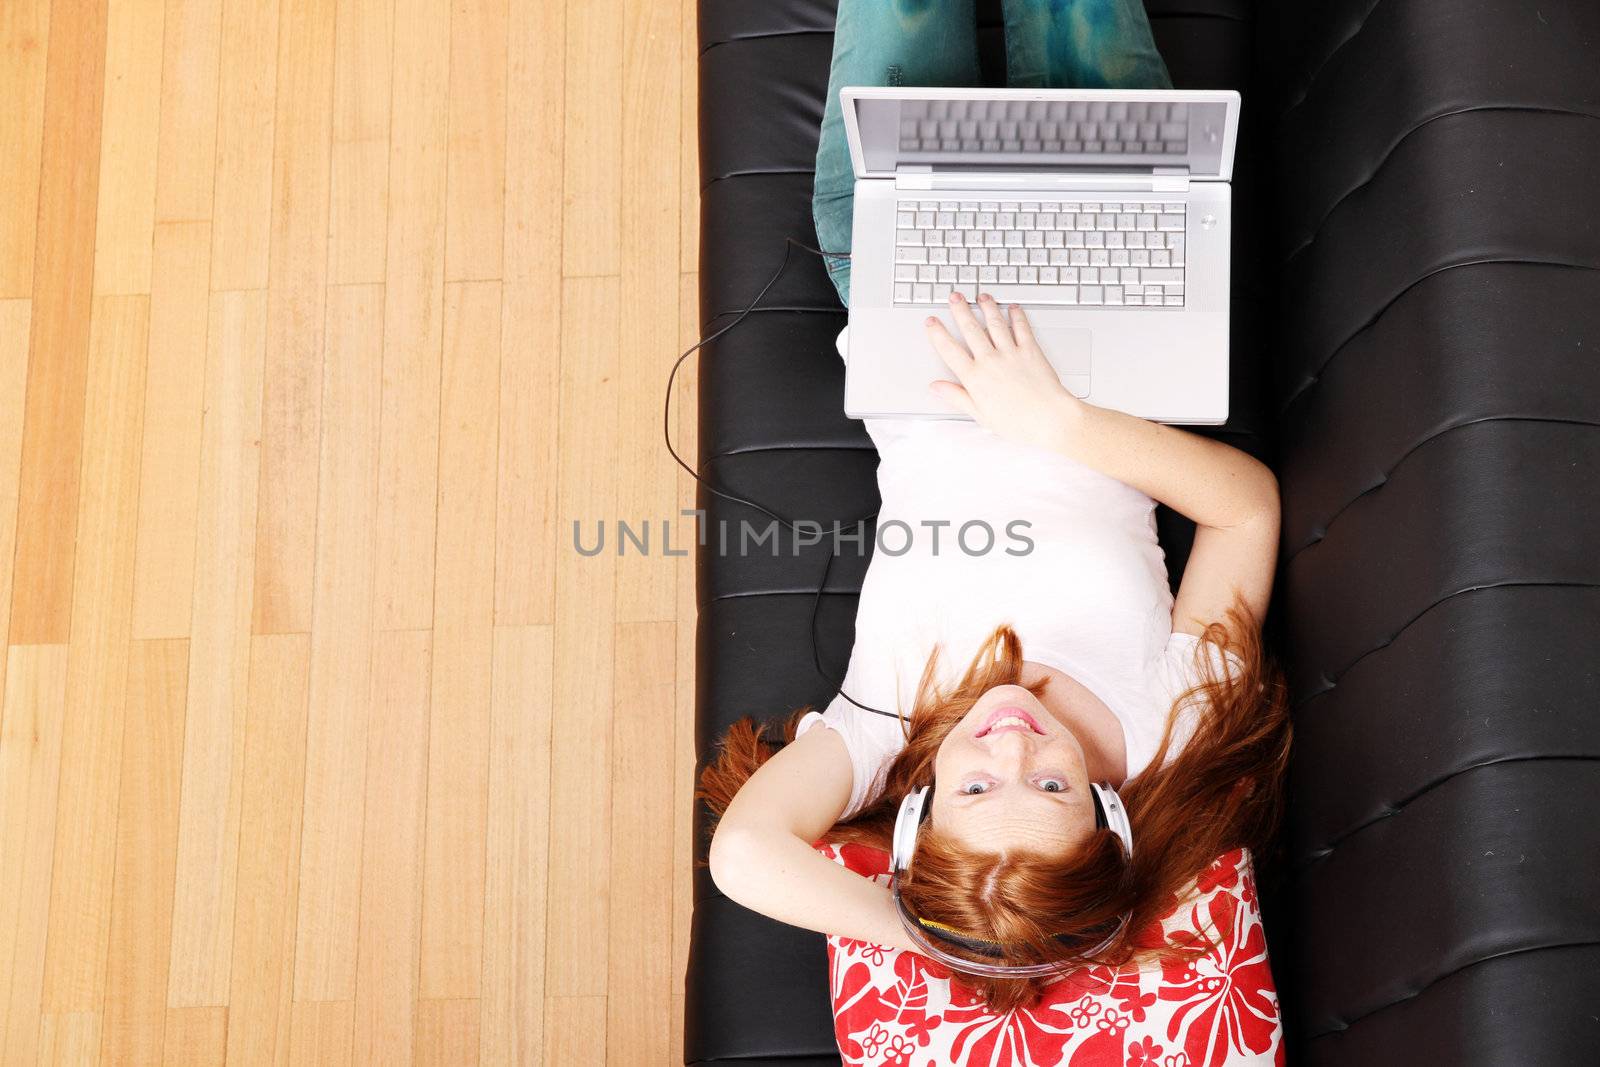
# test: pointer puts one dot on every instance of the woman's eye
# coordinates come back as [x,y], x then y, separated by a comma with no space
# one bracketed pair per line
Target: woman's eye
[972,787]
[1052,785]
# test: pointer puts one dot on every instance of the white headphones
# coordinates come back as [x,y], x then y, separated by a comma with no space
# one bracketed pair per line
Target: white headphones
[1109,813]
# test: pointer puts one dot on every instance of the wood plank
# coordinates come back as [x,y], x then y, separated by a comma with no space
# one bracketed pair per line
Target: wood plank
[219,664]
[646,479]
[24,32]
[447,1033]
[30,764]
[58,361]
[69,1039]
[247,89]
[128,141]
[689,137]
[15,323]
[475,187]
[268,879]
[580,817]
[412,318]
[341,648]
[287,516]
[190,71]
[525,555]
[685,406]
[675,1043]
[575,1030]
[195,1037]
[169,476]
[512,1019]
[391,850]
[527,535]
[97,659]
[463,622]
[535,143]
[591,207]
[359,202]
[638,986]
[147,847]
[322,1033]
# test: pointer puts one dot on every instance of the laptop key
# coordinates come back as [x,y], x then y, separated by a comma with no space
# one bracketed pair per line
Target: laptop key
[1030,294]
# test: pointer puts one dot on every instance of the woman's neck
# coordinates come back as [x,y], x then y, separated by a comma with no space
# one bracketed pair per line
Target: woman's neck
[1096,727]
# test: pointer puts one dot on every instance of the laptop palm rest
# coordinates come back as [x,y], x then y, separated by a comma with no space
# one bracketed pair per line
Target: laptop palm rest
[1068,350]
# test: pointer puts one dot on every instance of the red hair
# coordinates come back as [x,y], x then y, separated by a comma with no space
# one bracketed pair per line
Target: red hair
[1223,790]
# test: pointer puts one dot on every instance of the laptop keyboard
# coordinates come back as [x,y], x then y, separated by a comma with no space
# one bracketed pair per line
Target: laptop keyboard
[1082,254]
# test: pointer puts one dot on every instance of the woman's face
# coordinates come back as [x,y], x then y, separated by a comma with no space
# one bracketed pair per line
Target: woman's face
[1010,776]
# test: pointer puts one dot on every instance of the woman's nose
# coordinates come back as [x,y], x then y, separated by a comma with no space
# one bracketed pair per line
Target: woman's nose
[1011,744]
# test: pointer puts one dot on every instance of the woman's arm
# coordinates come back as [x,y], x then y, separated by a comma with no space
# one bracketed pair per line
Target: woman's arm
[761,854]
[1232,498]
[1008,386]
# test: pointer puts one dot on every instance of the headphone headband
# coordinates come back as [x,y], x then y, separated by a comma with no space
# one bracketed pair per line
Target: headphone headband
[1110,813]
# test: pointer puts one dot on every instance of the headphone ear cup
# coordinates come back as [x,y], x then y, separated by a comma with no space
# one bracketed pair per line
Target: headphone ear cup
[1111,813]
[903,845]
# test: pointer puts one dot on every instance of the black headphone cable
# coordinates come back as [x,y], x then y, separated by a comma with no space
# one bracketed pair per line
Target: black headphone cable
[666,431]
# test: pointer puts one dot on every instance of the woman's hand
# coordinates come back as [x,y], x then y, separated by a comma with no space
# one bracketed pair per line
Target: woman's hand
[1003,380]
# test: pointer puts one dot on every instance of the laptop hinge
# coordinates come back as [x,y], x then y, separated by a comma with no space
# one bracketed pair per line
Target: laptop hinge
[1159,180]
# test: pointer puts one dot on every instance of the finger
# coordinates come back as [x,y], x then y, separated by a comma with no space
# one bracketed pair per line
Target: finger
[974,332]
[955,396]
[999,330]
[1022,327]
[955,356]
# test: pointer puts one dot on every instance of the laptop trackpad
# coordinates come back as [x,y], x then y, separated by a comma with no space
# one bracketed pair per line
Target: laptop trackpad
[1068,351]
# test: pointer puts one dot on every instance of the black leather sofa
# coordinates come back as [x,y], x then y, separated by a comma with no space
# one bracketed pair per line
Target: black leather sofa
[1416,350]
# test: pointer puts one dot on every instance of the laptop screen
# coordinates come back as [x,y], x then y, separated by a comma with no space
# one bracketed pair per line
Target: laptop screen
[1054,129]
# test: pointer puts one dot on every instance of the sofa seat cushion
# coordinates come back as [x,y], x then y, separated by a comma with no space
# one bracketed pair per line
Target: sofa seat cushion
[899,1009]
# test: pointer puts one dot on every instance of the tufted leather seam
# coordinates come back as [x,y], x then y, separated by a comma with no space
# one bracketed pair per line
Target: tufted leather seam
[780,172]
[1313,379]
[770,35]
[1320,529]
[1313,858]
[811,592]
[831,1051]
[764,308]
[1383,160]
[1310,82]
[1332,682]
[747,450]
[1346,1024]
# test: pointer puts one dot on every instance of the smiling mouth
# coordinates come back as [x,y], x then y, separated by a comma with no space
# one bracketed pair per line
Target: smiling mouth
[1008,718]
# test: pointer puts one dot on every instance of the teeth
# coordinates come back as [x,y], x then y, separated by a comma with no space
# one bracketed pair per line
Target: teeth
[1009,720]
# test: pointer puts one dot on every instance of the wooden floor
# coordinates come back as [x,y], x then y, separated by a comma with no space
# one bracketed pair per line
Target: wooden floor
[321,321]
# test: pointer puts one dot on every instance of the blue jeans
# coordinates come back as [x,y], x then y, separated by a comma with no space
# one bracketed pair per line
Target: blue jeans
[1056,44]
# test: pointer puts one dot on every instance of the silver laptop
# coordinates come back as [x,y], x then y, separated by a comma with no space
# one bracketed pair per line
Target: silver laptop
[1104,212]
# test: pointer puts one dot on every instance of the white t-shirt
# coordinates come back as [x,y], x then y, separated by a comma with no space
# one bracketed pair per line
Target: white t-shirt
[1074,567]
